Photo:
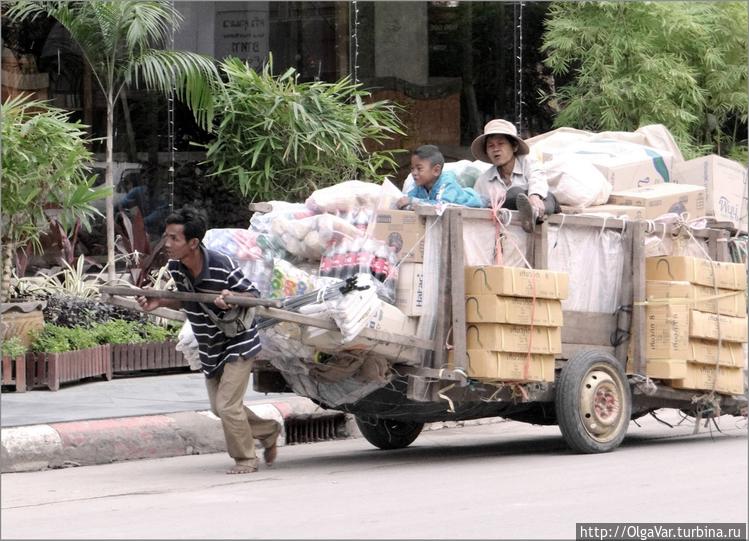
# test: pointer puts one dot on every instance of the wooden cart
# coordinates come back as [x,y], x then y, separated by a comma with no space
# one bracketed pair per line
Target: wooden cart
[593,396]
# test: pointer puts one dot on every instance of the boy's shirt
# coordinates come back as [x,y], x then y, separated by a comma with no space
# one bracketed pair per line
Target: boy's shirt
[446,189]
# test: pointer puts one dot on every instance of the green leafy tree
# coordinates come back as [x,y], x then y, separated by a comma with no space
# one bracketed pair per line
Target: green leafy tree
[682,64]
[279,138]
[123,41]
[45,166]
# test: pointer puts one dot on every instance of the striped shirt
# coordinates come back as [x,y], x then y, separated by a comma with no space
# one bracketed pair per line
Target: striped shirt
[219,272]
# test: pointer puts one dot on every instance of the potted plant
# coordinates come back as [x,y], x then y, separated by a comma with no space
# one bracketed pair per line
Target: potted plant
[13,366]
[45,165]
[65,354]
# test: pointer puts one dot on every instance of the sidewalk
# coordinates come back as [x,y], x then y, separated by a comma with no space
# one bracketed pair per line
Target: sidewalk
[99,422]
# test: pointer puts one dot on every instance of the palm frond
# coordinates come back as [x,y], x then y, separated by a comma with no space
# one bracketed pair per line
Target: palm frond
[194,78]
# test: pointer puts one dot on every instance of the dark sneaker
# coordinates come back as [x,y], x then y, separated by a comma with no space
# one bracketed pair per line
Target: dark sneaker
[528,213]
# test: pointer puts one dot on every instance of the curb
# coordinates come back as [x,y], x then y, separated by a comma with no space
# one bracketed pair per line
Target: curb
[105,441]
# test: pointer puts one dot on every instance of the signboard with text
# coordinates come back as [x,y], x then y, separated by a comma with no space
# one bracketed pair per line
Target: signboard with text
[243,33]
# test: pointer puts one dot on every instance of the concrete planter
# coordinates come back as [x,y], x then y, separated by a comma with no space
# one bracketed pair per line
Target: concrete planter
[52,369]
[128,358]
[21,318]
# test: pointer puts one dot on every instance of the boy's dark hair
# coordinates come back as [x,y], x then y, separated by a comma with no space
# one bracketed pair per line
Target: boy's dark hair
[192,220]
[431,153]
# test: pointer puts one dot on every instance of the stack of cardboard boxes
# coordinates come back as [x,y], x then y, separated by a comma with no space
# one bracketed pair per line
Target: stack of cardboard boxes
[686,316]
[514,319]
[646,189]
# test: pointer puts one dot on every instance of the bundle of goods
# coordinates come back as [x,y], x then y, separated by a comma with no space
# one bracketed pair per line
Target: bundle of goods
[344,196]
[250,250]
[261,221]
[288,280]
[354,311]
[696,323]
[514,319]
[307,238]
[349,257]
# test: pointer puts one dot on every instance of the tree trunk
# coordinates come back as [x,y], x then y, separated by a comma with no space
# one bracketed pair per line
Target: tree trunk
[132,153]
[109,183]
[7,269]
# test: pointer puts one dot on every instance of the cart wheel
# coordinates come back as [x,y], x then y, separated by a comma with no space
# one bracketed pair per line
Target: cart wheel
[593,402]
[389,434]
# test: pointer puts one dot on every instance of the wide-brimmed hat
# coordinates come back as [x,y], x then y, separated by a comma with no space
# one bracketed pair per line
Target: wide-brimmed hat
[496,127]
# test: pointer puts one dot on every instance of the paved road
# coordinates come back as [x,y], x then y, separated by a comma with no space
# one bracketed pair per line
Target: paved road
[504,480]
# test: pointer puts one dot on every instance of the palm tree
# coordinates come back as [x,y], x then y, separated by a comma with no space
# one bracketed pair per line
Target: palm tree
[123,41]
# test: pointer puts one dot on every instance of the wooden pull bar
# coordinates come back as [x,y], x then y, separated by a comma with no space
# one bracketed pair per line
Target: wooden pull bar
[188,296]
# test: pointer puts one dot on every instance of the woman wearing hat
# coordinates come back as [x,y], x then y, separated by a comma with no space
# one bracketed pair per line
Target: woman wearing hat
[516,180]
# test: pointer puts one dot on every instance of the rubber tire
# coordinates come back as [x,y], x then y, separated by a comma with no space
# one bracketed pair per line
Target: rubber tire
[569,406]
[389,434]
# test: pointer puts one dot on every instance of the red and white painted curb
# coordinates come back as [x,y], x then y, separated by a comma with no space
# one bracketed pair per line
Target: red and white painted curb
[103,441]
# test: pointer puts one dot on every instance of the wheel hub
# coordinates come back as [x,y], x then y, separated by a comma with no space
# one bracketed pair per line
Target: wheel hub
[601,404]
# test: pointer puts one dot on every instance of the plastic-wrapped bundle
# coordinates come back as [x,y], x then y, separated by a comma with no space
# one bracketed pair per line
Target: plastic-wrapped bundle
[307,238]
[344,196]
[249,250]
[261,222]
[283,340]
[347,257]
[289,281]
[239,244]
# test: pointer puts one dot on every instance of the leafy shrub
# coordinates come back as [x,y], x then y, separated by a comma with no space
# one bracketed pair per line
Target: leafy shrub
[76,312]
[278,138]
[157,333]
[118,331]
[13,347]
[56,339]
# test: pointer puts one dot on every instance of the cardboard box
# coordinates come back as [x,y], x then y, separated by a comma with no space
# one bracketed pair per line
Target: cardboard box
[704,325]
[706,352]
[697,271]
[404,231]
[725,182]
[667,332]
[666,369]
[728,302]
[701,376]
[513,310]
[409,291]
[503,366]
[516,282]
[663,198]
[514,338]
[631,212]
[626,165]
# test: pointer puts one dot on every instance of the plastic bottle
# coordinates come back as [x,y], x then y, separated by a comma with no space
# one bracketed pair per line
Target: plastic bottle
[349,260]
[362,220]
[380,263]
[325,262]
[336,266]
